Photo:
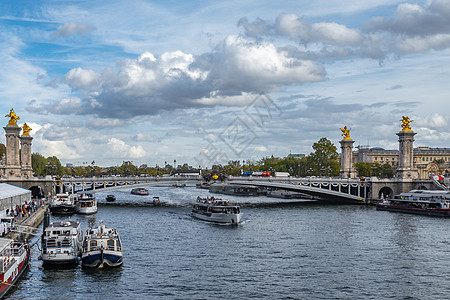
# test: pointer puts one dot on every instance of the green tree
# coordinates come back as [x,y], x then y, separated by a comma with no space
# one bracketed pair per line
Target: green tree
[387,171]
[54,166]
[39,164]
[324,158]
[364,169]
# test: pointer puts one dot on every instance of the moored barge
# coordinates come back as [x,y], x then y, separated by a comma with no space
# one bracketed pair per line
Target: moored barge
[422,202]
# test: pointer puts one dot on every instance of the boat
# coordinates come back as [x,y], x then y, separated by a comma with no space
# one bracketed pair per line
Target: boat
[14,259]
[203,185]
[279,194]
[237,189]
[422,202]
[110,198]
[216,210]
[86,203]
[139,191]
[101,248]
[63,204]
[180,185]
[61,243]
[156,201]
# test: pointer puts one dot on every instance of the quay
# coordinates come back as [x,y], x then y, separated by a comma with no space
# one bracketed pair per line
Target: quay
[24,227]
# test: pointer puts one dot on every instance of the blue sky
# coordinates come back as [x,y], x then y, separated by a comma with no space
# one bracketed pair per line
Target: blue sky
[209,81]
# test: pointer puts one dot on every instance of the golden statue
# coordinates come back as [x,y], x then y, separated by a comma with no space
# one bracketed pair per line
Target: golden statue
[26,129]
[13,117]
[405,123]
[346,133]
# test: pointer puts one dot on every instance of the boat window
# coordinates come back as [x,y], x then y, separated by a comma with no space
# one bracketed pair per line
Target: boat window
[56,232]
[111,244]
[93,245]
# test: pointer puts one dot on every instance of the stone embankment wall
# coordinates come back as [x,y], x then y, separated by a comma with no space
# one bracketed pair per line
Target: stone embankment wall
[34,220]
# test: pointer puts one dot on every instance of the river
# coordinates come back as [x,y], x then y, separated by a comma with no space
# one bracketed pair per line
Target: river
[280,251]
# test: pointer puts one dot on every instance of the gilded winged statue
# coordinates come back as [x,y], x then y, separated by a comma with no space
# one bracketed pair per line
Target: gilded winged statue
[346,133]
[26,129]
[13,117]
[405,123]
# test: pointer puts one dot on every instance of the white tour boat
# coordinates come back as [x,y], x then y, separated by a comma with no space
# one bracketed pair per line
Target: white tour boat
[61,243]
[14,258]
[86,203]
[101,248]
[216,210]
[63,204]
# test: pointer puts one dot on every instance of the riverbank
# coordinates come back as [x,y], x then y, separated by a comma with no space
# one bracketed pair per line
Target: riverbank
[25,225]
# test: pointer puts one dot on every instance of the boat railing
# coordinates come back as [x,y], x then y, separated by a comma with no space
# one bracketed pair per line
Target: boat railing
[7,263]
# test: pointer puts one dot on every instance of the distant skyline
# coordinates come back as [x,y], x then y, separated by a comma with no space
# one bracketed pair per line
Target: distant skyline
[205,82]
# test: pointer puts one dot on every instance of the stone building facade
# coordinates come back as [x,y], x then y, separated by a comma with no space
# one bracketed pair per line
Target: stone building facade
[428,161]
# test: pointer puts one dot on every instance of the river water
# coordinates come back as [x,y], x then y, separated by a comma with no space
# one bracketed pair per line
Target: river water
[281,251]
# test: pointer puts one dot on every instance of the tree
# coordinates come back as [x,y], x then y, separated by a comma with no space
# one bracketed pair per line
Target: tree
[54,166]
[324,159]
[364,169]
[39,164]
[387,171]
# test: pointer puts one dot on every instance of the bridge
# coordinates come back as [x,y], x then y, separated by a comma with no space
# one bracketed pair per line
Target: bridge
[331,189]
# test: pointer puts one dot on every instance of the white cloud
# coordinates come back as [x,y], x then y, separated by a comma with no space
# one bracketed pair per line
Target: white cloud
[124,150]
[73,28]
[336,34]
[260,148]
[232,74]
[79,78]
[71,105]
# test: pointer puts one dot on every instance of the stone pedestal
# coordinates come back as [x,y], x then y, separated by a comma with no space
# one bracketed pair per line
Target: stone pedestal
[25,155]
[406,168]
[347,169]
[12,161]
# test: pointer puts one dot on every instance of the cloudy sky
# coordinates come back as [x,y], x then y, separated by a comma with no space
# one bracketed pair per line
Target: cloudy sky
[210,81]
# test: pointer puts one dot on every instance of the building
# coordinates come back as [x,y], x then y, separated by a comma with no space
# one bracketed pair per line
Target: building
[429,161]
[11,195]
[235,163]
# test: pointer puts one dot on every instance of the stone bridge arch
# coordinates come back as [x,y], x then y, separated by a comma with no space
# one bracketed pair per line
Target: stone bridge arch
[385,191]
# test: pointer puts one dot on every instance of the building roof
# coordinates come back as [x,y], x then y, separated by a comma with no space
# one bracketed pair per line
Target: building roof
[8,190]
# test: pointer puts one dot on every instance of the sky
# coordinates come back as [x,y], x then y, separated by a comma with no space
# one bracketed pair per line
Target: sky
[205,82]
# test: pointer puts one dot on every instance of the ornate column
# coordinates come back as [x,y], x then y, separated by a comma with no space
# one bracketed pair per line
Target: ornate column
[12,162]
[25,155]
[347,169]
[12,159]
[406,169]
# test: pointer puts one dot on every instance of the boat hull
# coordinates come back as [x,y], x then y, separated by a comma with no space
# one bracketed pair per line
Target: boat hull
[8,279]
[217,217]
[435,212]
[59,259]
[87,210]
[100,259]
[63,209]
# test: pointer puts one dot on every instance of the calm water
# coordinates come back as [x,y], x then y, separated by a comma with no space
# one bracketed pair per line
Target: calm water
[302,251]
